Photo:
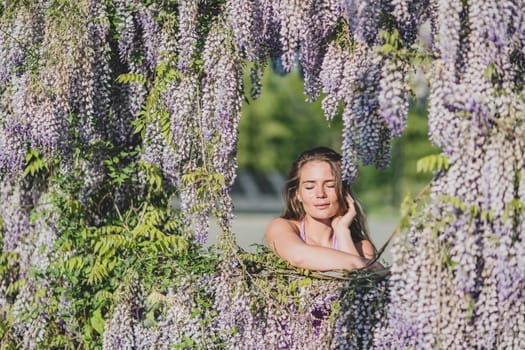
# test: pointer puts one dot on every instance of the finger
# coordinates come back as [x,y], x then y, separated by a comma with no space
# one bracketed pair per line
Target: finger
[349,200]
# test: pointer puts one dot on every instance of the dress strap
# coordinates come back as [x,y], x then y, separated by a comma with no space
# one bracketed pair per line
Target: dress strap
[301,231]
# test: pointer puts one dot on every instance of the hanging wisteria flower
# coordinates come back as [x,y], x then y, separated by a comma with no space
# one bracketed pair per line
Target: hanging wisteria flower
[188,36]
[241,15]
[366,24]
[474,264]
[458,275]
[292,20]
[448,17]
[393,95]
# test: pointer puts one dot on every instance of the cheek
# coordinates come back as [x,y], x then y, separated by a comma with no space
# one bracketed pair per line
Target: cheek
[303,195]
[332,194]
[335,201]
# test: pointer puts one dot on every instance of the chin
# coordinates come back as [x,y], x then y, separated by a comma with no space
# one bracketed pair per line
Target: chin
[324,215]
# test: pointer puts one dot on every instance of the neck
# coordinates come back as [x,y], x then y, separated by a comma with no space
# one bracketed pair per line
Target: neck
[318,231]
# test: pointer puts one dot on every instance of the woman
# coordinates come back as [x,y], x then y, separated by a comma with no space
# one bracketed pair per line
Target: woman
[322,227]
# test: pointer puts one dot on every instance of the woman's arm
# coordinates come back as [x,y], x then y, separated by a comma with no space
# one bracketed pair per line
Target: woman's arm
[341,227]
[282,237]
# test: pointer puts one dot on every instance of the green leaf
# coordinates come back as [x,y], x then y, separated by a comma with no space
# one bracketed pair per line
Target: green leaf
[127,78]
[74,263]
[97,321]
[432,163]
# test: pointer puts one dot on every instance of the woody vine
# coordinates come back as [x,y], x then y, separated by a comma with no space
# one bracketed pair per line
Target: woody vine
[108,109]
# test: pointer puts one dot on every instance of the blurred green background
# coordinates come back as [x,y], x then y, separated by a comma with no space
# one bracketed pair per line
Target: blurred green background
[280,124]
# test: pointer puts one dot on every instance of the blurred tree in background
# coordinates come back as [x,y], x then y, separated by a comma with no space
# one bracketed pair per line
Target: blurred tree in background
[280,124]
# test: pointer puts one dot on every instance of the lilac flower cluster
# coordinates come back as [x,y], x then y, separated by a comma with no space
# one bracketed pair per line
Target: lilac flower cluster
[20,34]
[393,99]
[253,311]
[366,23]
[119,331]
[241,16]
[184,151]
[458,279]
[132,48]
[126,29]
[304,28]
[222,100]
[13,144]
[289,14]
[266,28]
[362,310]
[187,33]
[406,17]
[458,275]
[371,86]
[365,135]
[33,245]
[178,323]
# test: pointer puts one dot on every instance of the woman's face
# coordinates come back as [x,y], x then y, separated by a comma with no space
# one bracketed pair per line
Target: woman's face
[317,190]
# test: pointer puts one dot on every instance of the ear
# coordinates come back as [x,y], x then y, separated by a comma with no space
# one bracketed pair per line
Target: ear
[298,197]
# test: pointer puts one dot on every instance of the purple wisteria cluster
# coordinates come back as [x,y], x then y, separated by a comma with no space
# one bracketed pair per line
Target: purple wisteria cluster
[19,35]
[263,311]
[31,241]
[254,311]
[458,275]
[371,86]
[70,95]
[182,321]
[459,272]
[58,98]
[319,37]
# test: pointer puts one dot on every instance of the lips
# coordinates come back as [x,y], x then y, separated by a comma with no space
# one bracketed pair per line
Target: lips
[322,206]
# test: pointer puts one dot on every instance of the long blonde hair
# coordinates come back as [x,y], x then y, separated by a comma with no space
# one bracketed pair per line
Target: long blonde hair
[293,209]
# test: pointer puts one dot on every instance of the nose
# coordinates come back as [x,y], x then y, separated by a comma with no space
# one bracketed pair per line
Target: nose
[320,192]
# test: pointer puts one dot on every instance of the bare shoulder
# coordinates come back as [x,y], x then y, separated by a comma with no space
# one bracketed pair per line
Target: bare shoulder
[280,226]
[282,222]
[281,232]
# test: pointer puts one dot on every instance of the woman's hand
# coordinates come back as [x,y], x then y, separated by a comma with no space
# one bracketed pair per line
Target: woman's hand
[342,223]
[341,227]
